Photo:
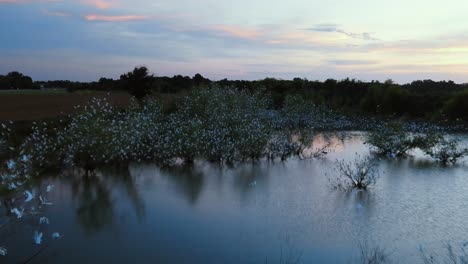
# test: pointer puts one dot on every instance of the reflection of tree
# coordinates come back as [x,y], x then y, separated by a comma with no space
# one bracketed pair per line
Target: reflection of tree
[93,194]
[95,208]
[249,176]
[189,181]
[123,176]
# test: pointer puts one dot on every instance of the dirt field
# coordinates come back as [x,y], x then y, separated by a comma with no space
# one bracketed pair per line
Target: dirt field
[46,105]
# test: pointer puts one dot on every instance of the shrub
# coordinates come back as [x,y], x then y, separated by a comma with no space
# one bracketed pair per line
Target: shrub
[280,146]
[394,140]
[452,256]
[231,125]
[359,174]
[446,151]
[372,255]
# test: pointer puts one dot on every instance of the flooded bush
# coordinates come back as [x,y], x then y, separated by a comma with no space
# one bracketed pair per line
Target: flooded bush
[446,151]
[452,256]
[218,124]
[372,255]
[394,140]
[281,146]
[357,174]
[297,112]
[230,125]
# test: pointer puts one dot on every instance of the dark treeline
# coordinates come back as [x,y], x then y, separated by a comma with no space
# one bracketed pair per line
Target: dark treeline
[420,99]
[15,80]
[426,99]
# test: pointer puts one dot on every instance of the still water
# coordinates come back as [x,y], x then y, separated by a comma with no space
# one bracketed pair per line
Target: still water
[266,212]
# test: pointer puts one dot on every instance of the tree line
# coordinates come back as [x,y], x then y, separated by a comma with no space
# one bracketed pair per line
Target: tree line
[419,99]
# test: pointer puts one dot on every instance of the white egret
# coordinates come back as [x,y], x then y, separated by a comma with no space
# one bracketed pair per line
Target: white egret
[37,237]
[17,212]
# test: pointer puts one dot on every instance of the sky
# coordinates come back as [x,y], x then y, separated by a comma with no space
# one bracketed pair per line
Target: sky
[84,40]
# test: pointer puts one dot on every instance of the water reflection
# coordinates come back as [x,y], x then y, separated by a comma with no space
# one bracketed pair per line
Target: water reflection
[189,181]
[95,196]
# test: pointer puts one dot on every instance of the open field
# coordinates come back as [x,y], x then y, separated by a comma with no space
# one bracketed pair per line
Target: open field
[38,105]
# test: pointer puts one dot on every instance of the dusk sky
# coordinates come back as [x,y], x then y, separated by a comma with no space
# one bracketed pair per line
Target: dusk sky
[83,40]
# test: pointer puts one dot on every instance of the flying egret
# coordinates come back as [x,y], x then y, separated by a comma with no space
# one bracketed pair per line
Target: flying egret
[43,220]
[17,212]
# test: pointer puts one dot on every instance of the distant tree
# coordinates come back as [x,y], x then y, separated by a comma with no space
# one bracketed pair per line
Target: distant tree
[199,80]
[4,83]
[456,106]
[106,84]
[137,82]
[15,80]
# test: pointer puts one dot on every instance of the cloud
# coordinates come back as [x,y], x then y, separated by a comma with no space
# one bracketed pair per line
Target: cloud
[54,13]
[237,32]
[219,31]
[100,4]
[335,28]
[115,18]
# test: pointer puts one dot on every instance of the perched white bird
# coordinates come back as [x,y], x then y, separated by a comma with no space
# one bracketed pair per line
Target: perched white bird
[29,196]
[11,164]
[3,251]
[17,212]
[37,237]
[12,186]
[43,220]
[49,187]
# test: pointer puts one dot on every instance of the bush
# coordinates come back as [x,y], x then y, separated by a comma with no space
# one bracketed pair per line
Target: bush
[230,125]
[446,151]
[394,140]
[372,255]
[216,124]
[358,174]
[453,256]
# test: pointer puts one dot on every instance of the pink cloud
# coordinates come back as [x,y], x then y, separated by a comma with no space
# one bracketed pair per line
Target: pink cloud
[101,4]
[238,32]
[109,18]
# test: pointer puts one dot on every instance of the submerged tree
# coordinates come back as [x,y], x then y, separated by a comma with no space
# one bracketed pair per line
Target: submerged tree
[394,140]
[372,255]
[360,173]
[446,151]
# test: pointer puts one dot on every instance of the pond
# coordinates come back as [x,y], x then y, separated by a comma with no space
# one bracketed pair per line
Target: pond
[264,212]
